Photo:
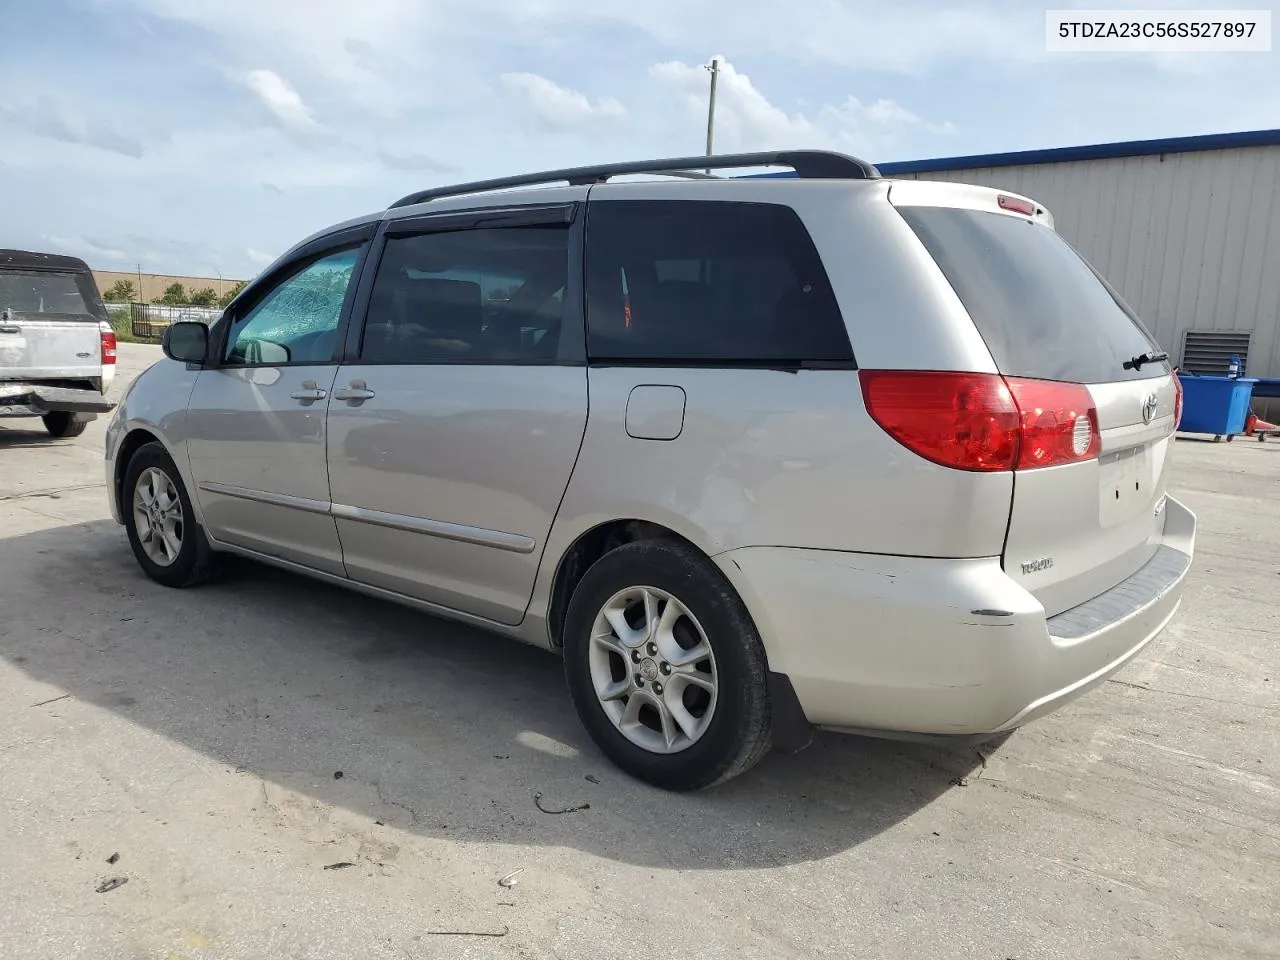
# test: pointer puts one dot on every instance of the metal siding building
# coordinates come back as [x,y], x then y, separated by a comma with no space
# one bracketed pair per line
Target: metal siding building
[1188,230]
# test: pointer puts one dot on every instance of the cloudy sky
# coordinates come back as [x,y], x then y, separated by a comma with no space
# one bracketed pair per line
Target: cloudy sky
[205,136]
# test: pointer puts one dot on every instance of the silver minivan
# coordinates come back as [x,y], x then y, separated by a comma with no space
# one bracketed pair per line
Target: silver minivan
[756,456]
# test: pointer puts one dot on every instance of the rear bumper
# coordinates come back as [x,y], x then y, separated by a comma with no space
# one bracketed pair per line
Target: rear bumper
[35,400]
[902,645]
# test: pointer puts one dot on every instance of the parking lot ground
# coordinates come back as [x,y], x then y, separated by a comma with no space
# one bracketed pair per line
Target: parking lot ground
[236,745]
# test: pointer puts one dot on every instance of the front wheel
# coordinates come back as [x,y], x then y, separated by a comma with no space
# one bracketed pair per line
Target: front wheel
[665,667]
[166,540]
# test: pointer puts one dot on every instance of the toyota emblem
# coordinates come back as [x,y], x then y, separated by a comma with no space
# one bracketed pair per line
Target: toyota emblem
[1149,406]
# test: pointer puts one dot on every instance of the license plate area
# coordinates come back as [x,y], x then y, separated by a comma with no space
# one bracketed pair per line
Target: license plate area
[1127,485]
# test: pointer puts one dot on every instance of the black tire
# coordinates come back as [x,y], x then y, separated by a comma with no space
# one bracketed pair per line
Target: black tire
[64,425]
[738,734]
[196,562]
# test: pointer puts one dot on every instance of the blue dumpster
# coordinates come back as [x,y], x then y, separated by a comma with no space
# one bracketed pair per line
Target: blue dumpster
[1215,405]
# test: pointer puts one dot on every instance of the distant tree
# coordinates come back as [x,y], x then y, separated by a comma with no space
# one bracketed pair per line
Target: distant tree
[120,292]
[174,296]
[203,298]
[231,293]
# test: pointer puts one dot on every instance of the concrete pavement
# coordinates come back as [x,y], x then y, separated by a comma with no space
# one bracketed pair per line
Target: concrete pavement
[231,743]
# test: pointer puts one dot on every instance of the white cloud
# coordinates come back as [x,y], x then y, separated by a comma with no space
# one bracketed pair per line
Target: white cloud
[747,120]
[367,54]
[368,101]
[284,104]
[907,34]
[258,258]
[94,253]
[886,111]
[558,108]
[413,160]
[57,120]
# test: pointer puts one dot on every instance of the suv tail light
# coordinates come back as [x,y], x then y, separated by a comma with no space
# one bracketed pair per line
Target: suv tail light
[983,421]
[1177,401]
[108,341]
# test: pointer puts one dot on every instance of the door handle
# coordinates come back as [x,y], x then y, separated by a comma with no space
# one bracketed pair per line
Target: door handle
[309,393]
[355,393]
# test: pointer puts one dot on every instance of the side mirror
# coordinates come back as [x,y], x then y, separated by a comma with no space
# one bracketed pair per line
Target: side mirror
[186,341]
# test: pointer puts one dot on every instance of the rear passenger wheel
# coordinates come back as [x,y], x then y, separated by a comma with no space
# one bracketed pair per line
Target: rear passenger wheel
[666,668]
[62,424]
[167,542]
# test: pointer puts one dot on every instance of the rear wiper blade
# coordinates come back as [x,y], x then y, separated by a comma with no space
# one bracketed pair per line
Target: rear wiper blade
[1137,362]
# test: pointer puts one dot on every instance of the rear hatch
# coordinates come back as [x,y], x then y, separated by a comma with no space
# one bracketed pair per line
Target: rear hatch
[50,318]
[1078,528]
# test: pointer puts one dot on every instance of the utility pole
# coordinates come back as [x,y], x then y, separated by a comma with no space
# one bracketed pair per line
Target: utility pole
[141,298]
[714,68]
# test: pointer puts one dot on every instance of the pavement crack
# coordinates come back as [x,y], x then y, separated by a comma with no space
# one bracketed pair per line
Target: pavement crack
[385,801]
[1192,696]
[53,494]
[44,703]
[266,799]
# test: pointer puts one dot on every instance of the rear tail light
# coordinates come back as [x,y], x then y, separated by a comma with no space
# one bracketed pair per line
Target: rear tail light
[962,420]
[108,340]
[983,421]
[1059,423]
[1177,401]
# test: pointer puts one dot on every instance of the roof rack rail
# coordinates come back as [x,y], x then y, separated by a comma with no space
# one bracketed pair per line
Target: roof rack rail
[808,165]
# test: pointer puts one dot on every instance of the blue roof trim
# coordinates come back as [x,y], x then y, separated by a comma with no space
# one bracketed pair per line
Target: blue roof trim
[1096,151]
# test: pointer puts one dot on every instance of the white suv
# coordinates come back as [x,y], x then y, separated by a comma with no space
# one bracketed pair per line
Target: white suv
[755,455]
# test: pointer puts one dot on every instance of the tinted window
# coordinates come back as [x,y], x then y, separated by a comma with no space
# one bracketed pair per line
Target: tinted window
[297,322]
[485,295]
[40,292]
[680,280]
[1041,309]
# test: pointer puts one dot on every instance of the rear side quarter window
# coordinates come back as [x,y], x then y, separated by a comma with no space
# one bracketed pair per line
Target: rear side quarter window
[707,282]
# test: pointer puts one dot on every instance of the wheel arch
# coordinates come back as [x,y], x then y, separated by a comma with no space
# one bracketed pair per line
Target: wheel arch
[133,441]
[588,547]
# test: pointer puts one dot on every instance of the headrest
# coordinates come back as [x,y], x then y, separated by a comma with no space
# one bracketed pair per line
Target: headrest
[444,306]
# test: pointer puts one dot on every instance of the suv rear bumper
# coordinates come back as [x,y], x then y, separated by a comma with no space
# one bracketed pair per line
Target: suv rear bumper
[904,645]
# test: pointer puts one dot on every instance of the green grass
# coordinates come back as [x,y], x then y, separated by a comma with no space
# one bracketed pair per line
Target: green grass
[123,327]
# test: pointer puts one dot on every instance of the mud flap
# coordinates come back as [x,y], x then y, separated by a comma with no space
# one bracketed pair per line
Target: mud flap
[792,731]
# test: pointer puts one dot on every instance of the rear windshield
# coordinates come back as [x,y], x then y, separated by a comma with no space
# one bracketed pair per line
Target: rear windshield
[1041,309]
[38,291]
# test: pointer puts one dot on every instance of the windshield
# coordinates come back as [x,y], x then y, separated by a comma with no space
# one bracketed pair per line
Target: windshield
[39,291]
[1042,310]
